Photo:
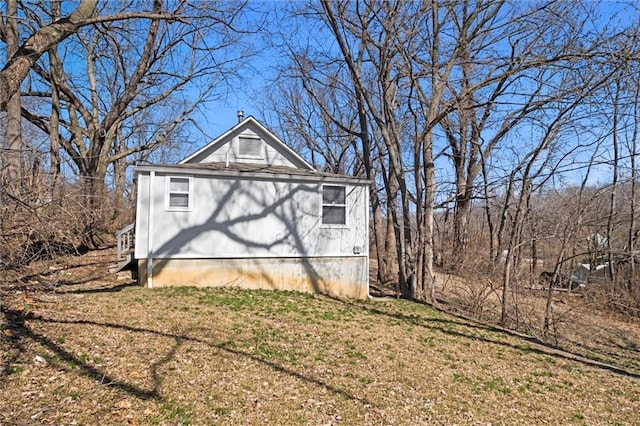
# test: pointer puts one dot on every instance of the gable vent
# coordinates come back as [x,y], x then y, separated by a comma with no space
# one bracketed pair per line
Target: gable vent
[249,147]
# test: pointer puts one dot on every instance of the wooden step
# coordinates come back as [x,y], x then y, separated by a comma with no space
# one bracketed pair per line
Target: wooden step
[122,264]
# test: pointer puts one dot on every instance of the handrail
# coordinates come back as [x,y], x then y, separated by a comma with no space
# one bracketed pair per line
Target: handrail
[124,241]
[126,229]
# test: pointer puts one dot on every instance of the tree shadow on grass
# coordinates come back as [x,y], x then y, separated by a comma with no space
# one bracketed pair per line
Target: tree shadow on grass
[110,288]
[21,331]
[530,344]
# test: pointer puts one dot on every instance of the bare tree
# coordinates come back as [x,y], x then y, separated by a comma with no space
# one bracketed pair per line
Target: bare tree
[119,76]
[13,133]
[415,68]
[25,57]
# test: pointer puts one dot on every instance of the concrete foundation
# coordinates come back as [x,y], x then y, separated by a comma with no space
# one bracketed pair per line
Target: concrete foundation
[343,277]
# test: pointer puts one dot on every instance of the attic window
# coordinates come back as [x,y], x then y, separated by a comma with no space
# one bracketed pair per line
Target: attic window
[249,147]
[334,205]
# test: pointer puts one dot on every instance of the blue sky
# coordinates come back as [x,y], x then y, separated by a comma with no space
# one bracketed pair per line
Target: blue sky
[217,116]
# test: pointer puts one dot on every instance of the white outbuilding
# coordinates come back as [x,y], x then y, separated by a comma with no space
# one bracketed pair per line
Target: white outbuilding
[247,211]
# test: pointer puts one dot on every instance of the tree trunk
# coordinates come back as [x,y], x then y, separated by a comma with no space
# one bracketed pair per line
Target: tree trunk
[12,169]
[633,233]
[54,121]
[93,197]
[19,64]
[614,187]
[428,275]
[515,239]
[380,231]
[119,174]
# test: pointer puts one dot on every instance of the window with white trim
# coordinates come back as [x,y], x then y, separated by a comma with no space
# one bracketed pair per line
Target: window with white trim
[179,193]
[250,147]
[334,205]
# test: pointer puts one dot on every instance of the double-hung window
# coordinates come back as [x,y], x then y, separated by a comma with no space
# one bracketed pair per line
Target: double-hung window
[334,205]
[179,194]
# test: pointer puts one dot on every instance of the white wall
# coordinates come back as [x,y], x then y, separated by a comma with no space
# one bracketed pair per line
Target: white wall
[248,218]
[229,152]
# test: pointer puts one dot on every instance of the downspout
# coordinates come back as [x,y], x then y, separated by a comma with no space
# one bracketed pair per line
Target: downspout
[152,176]
[365,189]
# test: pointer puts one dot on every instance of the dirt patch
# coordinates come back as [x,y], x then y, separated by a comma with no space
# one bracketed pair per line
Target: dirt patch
[94,348]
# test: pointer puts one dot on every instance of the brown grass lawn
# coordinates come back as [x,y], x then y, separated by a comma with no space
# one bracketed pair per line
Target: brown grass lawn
[91,349]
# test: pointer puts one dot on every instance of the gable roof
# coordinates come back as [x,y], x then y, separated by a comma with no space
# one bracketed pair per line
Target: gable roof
[248,123]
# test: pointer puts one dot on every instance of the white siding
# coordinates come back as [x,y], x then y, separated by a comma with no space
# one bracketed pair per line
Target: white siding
[230,152]
[231,218]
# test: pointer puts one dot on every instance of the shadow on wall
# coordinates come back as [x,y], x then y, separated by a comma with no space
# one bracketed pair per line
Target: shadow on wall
[255,235]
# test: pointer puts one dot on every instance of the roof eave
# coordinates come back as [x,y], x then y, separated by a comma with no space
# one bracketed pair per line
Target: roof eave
[311,176]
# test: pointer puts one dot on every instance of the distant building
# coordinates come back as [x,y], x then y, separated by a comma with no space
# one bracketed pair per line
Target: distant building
[583,271]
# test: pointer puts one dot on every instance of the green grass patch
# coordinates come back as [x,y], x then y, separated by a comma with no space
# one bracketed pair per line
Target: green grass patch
[230,356]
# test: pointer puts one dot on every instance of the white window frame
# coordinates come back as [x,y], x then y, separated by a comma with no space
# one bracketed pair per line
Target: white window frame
[168,193]
[248,156]
[323,205]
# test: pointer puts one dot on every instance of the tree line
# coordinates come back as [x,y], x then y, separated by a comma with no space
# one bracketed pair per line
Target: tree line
[496,133]
[469,116]
[92,88]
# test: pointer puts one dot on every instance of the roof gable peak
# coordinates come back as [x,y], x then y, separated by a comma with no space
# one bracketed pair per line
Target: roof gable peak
[248,142]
